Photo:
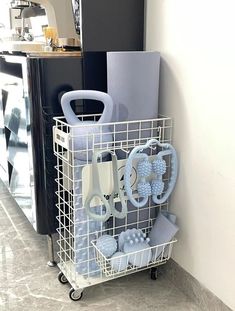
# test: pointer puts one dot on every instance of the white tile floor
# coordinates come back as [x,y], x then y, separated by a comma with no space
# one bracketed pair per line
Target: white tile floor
[27,283]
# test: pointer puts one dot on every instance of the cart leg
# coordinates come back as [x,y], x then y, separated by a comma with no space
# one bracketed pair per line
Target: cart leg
[153,273]
[51,262]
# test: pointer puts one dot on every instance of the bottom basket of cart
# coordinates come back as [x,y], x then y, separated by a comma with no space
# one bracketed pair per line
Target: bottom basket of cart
[160,255]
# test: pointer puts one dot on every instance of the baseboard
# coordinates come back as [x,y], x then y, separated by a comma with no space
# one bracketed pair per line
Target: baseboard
[205,299]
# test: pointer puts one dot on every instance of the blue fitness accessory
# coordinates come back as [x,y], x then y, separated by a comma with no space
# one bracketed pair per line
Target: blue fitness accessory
[158,167]
[144,169]
[85,230]
[169,216]
[107,245]
[86,264]
[85,136]
[162,232]
[119,261]
[135,241]
[96,191]
[128,235]
[141,250]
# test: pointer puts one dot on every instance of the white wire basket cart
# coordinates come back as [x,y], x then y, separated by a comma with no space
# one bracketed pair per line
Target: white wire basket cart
[81,262]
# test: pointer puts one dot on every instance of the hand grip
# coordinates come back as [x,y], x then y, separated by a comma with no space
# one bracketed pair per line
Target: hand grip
[117,190]
[97,192]
[103,217]
[86,94]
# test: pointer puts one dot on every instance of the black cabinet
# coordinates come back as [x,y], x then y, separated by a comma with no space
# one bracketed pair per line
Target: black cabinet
[30,91]
[111,25]
[16,160]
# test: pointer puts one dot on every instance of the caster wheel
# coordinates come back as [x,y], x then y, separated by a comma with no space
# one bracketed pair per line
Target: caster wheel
[62,278]
[153,274]
[75,295]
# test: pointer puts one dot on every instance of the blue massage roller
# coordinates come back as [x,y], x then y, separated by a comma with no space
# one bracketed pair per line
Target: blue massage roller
[158,167]
[144,169]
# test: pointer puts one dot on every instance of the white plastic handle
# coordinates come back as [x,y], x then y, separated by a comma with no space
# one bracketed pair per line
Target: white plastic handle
[96,191]
[105,98]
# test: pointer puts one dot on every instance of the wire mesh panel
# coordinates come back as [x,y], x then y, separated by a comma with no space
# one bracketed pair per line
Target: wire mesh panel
[81,260]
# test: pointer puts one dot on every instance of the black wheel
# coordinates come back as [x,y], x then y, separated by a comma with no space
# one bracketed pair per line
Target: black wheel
[153,273]
[62,278]
[75,295]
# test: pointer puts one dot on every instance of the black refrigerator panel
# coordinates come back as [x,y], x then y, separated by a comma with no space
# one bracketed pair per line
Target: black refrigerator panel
[49,79]
[94,78]
[15,135]
[112,25]
[31,89]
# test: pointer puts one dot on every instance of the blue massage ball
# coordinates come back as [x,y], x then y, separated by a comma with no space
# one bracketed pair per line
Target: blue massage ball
[144,168]
[157,187]
[144,189]
[159,166]
[107,245]
[119,261]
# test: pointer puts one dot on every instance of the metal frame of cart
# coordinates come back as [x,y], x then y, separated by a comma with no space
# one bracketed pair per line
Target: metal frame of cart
[70,194]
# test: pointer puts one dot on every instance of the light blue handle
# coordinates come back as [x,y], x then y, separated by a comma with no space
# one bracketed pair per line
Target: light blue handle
[117,191]
[95,191]
[174,171]
[86,94]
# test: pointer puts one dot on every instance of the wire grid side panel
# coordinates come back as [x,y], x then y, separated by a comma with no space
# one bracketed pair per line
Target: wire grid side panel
[74,148]
[121,137]
[65,213]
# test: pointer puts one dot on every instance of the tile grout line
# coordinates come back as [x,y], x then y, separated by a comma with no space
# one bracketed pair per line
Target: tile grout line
[12,223]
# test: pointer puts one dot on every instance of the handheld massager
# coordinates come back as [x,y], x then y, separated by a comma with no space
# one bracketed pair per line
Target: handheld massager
[145,168]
